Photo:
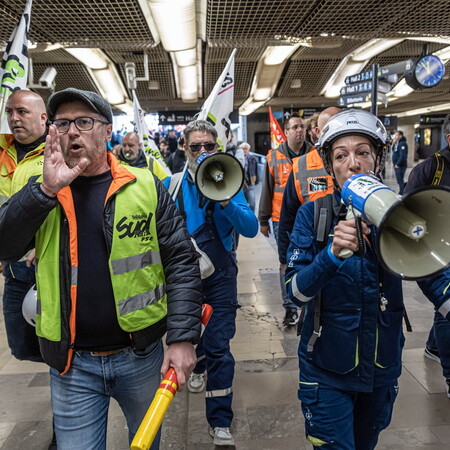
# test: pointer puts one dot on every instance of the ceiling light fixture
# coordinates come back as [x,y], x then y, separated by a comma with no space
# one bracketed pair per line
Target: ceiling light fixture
[92,57]
[428,109]
[146,13]
[108,84]
[178,34]
[275,55]
[373,48]
[443,54]
[337,80]
[177,31]
[188,83]
[401,89]
[186,57]
[262,94]
[249,106]
[103,72]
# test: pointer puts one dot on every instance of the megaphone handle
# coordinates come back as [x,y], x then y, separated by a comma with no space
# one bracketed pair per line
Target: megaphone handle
[346,252]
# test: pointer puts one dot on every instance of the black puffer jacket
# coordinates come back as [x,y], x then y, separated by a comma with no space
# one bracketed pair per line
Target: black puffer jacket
[24,213]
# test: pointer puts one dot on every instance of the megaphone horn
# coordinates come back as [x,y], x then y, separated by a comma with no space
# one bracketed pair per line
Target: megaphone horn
[219,176]
[413,239]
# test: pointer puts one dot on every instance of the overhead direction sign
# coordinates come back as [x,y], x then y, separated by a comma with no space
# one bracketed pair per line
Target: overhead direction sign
[394,69]
[389,72]
[347,100]
[365,86]
[358,77]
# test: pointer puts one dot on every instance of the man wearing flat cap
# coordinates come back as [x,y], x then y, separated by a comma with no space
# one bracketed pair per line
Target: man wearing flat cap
[115,271]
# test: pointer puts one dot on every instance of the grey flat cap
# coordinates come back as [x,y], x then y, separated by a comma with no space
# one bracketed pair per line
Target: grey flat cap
[93,100]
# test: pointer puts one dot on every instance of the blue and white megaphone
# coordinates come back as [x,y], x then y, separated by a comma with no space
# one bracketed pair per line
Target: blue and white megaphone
[414,233]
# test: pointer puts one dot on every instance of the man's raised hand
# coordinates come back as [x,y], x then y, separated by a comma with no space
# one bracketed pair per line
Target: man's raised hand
[57,174]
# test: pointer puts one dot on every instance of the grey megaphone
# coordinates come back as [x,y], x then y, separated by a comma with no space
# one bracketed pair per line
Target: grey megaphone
[413,236]
[219,176]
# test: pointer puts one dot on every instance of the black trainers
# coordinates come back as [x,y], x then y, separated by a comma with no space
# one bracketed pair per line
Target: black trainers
[448,387]
[291,318]
[432,354]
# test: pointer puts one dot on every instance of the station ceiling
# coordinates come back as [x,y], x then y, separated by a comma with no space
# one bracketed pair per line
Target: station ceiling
[328,31]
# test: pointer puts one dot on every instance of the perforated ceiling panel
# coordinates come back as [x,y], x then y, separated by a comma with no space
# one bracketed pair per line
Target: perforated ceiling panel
[334,29]
[255,20]
[94,23]
[313,75]
[66,73]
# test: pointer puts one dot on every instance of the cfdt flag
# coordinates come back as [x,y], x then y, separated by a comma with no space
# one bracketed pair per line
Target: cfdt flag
[140,127]
[14,68]
[277,136]
[219,105]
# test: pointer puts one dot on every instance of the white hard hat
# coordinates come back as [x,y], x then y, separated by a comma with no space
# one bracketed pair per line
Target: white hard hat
[29,306]
[354,122]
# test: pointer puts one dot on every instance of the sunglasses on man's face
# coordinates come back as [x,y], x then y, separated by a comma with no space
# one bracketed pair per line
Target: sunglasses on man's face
[208,146]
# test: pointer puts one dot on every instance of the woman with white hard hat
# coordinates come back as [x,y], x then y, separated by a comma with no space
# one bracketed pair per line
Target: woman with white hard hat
[351,341]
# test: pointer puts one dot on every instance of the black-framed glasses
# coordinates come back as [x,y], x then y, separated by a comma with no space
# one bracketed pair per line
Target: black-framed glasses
[208,146]
[296,127]
[82,123]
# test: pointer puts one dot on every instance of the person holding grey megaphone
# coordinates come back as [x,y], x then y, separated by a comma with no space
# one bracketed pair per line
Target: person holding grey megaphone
[209,196]
[339,267]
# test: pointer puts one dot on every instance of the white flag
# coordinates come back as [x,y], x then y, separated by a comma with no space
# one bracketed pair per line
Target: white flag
[219,105]
[149,145]
[14,69]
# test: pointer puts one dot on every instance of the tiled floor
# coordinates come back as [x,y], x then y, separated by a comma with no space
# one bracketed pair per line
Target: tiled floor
[267,412]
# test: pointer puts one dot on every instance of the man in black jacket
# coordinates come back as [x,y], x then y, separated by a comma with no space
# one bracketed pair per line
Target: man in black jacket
[400,159]
[131,151]
[116,270]
[177,159]
[435,171]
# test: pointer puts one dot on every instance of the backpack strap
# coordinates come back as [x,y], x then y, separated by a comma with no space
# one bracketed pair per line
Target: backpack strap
[324,210]
[439,171]
[322,219]
[174,180]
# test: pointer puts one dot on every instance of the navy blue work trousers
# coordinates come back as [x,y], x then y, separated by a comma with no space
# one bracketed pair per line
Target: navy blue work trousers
[220,291]
[345,420]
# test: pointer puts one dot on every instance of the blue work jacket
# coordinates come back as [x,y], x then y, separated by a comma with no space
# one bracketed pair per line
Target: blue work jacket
[236,214]
[360,345]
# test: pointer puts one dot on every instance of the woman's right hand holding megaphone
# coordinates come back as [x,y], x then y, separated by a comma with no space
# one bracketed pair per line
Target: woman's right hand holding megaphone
[346,236]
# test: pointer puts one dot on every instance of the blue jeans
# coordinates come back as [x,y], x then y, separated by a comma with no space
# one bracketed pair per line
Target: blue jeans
[250,196]
[287,302]
[345,420]
[22,339]
[400,176]
[439,339]
[80,398]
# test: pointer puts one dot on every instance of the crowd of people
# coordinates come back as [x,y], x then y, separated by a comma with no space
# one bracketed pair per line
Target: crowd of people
[113,242]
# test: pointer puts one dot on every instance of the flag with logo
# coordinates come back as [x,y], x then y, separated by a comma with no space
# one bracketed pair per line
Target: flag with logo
[219,105]
[277,136]
[148,144]
[14,68]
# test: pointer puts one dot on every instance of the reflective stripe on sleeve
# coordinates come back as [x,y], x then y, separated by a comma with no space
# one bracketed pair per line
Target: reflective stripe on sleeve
[445,308]
[140,301]
[135,262]
[296,293]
